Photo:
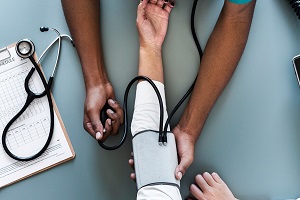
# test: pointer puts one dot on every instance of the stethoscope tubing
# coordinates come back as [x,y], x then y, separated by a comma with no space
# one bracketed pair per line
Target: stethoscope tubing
[125,133]
[30,97]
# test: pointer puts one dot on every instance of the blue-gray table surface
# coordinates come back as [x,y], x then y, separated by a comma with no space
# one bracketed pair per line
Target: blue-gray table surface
[251,138]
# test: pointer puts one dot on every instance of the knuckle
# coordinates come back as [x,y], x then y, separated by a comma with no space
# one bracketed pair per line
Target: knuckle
[95,125]
[89,110]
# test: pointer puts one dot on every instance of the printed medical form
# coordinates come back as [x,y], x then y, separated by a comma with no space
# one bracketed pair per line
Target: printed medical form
[29,133]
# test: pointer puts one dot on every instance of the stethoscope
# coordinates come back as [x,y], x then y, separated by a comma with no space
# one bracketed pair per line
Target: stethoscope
[25,49]
[162,137]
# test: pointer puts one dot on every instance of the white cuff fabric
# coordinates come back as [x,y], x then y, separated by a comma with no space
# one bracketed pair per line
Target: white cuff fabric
[146,108]
[146,117]
[159,192]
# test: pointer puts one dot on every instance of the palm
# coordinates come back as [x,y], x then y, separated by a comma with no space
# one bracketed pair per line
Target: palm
[152,25]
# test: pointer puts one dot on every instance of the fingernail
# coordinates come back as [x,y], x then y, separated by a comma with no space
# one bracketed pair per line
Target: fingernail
[98,135]
[179,174]
[109,121]
[110,111]
[104,130]
[111,101]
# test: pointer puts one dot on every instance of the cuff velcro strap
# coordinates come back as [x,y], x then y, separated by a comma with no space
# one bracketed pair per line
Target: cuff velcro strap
[154,164]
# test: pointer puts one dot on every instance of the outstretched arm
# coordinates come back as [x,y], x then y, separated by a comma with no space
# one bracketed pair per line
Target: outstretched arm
[83,18]
[152,23]
[221,56]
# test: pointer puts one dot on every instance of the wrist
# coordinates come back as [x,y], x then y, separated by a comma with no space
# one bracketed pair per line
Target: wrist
[151,49]
[94,75]
[152,55]
[99,89]
[190,125]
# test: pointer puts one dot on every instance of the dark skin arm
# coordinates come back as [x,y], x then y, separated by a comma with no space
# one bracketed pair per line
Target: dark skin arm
[83,18]
[221,56]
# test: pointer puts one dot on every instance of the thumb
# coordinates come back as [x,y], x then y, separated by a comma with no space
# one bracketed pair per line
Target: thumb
[141,10]
[185,162]
[96,124]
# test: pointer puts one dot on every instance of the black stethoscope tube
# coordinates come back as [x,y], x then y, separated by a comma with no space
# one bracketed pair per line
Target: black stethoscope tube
[193,84]
[30,97]
[126,113]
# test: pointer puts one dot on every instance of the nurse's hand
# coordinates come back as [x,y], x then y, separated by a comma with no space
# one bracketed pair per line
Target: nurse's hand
[96,97]
[185,144]
[152,22]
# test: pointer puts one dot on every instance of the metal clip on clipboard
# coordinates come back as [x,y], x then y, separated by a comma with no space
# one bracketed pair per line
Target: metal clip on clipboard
[4,54]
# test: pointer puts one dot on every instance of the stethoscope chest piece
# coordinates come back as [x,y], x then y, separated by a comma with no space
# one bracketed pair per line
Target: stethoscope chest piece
[25,48]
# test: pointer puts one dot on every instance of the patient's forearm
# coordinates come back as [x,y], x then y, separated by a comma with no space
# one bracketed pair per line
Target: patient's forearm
[150,64]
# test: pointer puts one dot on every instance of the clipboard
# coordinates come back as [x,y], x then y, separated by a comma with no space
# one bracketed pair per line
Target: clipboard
[27,130]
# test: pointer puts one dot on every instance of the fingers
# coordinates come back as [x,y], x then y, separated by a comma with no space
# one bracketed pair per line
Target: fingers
[184,164]
[210,186]
[116,118]
[167,5]
[164,4]
[152,1]
[204,182]
[131,163]
[196,192]
[132,176]
[118,110]
[92,124]
[201,182]
[217,178]
[107,130]
[141,11]
[209,179]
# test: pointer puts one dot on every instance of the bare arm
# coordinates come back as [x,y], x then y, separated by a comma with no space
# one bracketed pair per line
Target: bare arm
[221,56]
[83,18]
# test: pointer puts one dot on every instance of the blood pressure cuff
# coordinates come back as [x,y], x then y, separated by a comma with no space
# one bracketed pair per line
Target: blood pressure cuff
[154,164]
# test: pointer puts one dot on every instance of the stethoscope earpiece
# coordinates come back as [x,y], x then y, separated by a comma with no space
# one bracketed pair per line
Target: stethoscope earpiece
[43,29]
[25,48]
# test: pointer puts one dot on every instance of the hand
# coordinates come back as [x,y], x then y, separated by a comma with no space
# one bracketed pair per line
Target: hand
[131,163]
[210,187]
[152,21]
[185,150]
[96,98]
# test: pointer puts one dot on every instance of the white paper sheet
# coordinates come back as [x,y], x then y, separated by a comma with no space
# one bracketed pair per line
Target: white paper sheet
[28,135]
